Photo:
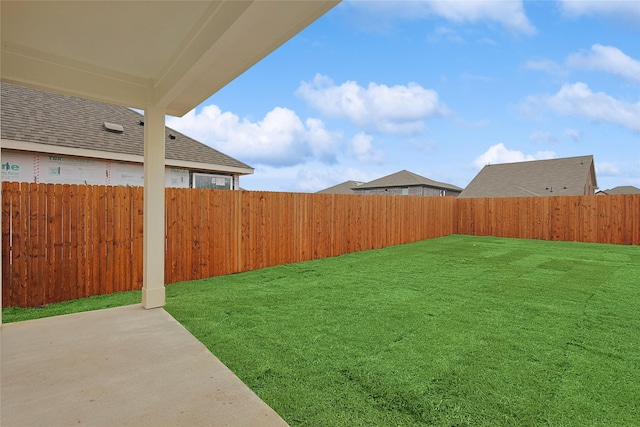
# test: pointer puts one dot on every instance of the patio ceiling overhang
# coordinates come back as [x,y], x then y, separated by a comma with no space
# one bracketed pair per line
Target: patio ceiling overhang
[165,57]
[172,54]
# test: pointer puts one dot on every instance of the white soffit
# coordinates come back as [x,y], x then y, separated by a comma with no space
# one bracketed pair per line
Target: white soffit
[174,54]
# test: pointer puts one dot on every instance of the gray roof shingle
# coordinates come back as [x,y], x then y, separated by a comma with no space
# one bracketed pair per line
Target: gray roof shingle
[622,189]
[30,115]
[342,188]
[562,177]
[405,178]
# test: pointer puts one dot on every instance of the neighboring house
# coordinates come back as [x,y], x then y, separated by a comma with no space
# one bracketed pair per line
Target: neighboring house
[623,189]
[405,183]
[53,138]
[570,176]
[342,188]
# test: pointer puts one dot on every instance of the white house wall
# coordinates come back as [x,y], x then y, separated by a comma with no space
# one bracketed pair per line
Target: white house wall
[17,166]
[69,170]
[21,166]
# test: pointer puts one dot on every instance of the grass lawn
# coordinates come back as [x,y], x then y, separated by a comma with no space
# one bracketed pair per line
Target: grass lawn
[456,331]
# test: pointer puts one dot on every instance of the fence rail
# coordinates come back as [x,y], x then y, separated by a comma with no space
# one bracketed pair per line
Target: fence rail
[62,242]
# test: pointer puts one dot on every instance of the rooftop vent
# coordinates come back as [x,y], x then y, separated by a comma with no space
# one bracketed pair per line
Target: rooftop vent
[113,127]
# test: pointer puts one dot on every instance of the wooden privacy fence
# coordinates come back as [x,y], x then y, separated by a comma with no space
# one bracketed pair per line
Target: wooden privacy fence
[212,233]
[592,219]
[62,242]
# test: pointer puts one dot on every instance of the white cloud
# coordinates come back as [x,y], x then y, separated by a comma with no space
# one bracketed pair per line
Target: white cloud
[509,13]
[609,59]
[573,134]
[547,66]
[540,137]
[578,100]
[625,9]
[280,138]
[500,154]
[487,40]
[323,144]
[444,33]
[313,178]
[361,147]
[308,177]
[472,124]
[607,169]
[395,110]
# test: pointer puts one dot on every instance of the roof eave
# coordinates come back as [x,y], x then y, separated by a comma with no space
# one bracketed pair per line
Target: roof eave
[108,155]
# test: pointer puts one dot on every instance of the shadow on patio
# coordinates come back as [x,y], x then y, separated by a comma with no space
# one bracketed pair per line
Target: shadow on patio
[117,367]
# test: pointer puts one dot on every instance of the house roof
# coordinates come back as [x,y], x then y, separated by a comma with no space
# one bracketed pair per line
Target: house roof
[622,189]
[57,121]
[342,188]
[405,178]
[560,177]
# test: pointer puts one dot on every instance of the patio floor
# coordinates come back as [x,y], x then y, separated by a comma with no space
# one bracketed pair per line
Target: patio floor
[124,366]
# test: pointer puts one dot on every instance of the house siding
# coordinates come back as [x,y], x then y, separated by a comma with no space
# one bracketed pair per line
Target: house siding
[27,166]
[590,186]
[413,191]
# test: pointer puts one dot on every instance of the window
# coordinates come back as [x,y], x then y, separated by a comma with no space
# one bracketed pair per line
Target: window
[212,182]
[443,192]
[405,191]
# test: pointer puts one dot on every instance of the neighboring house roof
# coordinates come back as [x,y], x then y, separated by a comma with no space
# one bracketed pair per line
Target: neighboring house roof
[342,188]
[622,189]
[61,122]
[561,177]
[405,178]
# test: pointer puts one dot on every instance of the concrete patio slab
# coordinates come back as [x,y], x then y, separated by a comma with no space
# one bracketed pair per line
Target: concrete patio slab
[124,366]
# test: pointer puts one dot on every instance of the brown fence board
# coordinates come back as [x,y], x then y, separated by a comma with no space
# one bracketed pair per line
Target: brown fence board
[49,280]
[7,194]
[82,241]
[36,248]
[170,224]
[63,242]
[72,246]
[128,241]
[137,232]
[205,236]
[109,236]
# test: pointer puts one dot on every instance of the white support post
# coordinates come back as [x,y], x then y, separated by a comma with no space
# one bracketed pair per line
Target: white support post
[153,292]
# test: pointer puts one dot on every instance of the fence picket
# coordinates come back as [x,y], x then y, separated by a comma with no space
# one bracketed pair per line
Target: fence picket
[64,242]
[7,196]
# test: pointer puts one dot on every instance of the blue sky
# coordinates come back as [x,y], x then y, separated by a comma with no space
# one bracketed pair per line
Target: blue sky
[439,88]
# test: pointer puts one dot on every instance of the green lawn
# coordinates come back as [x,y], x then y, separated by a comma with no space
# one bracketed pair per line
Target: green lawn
[456,331]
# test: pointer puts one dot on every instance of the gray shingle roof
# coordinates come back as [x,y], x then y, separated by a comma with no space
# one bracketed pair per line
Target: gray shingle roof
[407,179]
[30,115]
[561,177]
[342,188]
[622,189]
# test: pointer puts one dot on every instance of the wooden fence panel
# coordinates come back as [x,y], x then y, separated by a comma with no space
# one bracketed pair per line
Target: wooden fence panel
[21,249]
[92,243]
[137,233]
[63,242]
[611,219]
